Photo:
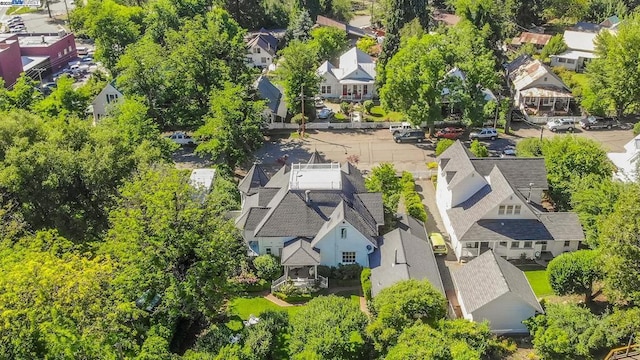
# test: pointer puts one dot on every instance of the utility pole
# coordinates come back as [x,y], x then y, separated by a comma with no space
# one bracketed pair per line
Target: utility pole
[48,9]
[68,19]
[302,97]
[40,71]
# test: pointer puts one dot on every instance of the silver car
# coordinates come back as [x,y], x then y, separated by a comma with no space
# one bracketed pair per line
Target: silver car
[483,134]
[561,125]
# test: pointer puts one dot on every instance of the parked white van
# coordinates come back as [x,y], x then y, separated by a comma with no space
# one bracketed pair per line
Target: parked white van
[396,129]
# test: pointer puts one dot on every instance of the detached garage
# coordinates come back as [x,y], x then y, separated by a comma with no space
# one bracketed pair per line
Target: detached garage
[490,288]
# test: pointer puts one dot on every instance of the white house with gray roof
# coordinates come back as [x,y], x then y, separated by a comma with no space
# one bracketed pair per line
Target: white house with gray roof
[310,214]
[404,253]
[353,78]
[491,288]
[262,48]
[496,203]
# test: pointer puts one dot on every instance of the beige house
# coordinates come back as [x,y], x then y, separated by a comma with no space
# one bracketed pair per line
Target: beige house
[104,101]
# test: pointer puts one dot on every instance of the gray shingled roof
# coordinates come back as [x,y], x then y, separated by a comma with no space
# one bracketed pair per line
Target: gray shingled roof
[404,253]
[255,178]
[265,195]
[266,41]
[254,216]
[373,203]
[269,92]
[316,158]
[456,162]
[280,179]
[487,278]
[563,225]
[519,171]
[299,252]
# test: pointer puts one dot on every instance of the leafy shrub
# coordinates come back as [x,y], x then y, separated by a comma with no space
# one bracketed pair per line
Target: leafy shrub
[324,271]
[636,129]
[297,119]
[261,340]
[267,267]
[261,285]
[345,107]
[368,105]
[432,165]
[443,144]
[347,272]
[478,149]
[365,280]
[213,339]
[293,298]
[412,202]
[289,289]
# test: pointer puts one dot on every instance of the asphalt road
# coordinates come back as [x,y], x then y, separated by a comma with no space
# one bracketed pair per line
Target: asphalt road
[40,22]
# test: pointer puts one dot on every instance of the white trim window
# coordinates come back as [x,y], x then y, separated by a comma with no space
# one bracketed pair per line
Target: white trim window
[343,233]
[325,89]
[348,257]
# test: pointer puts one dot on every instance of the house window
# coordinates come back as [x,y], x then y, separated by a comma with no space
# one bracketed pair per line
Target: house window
[515,245]
[516,210]
[545,79]
[471,245]
[268,250]
[263,60]
[562,60]
[70,48]
[325,89]
[501,210]
[571,61]
[111,97]
[348,257]
[256,50]
[365,89]
[527,244]
[503,243]
[343,233]
[545,101]
[509,209]
[567,243]
[65,51]
[59,54]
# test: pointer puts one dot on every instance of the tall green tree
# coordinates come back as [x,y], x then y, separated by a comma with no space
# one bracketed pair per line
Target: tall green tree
[297,73]
[555,46]
[384,179]
[329,42]
[329,327]
[300,26]
[231,131]
[620,248]
[613,78]
[64,101]
[400,306]
[421,341]
[593,200]
[414,80]
[575,273]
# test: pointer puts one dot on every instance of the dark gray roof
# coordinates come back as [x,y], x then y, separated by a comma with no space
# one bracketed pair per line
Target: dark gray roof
[255,178]
[266,41]
[316,158]
[516,63]
[254,216]
[299,252]
[269,92]
[562,225]
[519,171]
[404,253]
[487,278]
[373,203]
[280,179]
[586,27]
[265,195]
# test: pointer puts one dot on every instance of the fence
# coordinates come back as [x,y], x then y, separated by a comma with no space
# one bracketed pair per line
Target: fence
[545,119]
[333,125]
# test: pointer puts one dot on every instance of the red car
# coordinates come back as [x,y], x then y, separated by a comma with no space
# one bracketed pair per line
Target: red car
[450,133]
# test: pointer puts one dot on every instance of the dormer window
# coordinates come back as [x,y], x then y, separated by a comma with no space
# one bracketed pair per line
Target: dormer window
[343,233]
[256,50]
[509,209]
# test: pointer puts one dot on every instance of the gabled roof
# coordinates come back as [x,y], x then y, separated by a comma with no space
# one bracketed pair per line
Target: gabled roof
[580,40]
[316,158]
[354,64]
[445,18]
[279,179]
[404,253]
[488,277]
[456,162]
[459,74]
[255,178]
[265,41]
[269,92]
[531,38]
[519,171]
[524,70]
[299,252]
[109,88]
[350,30]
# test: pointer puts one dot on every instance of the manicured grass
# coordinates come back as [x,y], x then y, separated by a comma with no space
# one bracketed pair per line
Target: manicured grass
[295,135]
[539,282]
[19,10]
[379,114]
[243,307]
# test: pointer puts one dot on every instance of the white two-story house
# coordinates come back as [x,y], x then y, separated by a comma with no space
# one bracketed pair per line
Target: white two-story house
[353,79]
[496,203]
[627,162]
[310,214]
[262,48]
[104,101]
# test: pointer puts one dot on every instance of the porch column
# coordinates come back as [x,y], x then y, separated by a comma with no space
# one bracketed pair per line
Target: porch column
[286,271]
[538,104]
[315,271]
[568,102]
[479,247]
[494,246]
[553,104]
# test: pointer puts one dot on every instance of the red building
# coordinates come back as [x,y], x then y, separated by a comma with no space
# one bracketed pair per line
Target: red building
[35,54]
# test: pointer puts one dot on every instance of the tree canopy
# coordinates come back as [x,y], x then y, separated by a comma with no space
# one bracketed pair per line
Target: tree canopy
[574,273]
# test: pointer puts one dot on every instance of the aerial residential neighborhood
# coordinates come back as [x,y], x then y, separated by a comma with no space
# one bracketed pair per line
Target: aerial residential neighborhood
[338,179]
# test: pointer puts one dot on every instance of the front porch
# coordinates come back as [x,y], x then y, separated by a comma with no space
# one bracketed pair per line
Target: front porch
[357,91]
[300,261]
[511,250]
[545,101]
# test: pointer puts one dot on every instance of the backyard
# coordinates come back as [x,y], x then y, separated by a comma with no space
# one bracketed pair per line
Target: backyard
[539,282]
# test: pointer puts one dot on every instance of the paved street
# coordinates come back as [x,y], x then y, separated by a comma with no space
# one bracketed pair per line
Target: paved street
[39,22]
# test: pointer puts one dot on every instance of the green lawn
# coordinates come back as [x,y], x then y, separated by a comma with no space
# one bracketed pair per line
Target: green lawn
[19,10]
[539,282]
[379,114]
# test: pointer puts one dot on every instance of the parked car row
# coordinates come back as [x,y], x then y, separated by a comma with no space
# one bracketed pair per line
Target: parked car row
[16,25]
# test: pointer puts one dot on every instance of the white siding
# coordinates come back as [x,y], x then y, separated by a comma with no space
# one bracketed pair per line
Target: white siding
[101,104]
[255,59]
[467,188]
[332,246]
[274,243]
[505,314]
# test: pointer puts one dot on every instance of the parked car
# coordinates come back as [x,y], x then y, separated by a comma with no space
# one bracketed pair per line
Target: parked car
[410,136]
[450,133]
[47,88]
[437,243]
[397,129]
[595,122]
[561,124]
[319,102]
[325,113]
[87,60]
[82,51]
[509,151]
[483,134]
[16,24]
[181,138]
[18,27]
[18,30]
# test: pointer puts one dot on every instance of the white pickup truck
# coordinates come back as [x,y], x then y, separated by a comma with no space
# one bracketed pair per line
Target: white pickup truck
[396,129]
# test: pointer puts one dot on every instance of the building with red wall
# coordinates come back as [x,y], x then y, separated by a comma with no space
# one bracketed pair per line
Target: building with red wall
[38,54]
[10,61]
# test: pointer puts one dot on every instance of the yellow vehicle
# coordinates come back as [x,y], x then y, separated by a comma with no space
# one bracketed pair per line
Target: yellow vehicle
[438,244]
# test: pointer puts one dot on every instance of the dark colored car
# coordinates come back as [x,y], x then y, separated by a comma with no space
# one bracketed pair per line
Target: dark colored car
[449,133]
[410,136]
[594,122]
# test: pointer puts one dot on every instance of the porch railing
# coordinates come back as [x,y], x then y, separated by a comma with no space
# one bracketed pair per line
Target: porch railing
[277,284]
[322,282]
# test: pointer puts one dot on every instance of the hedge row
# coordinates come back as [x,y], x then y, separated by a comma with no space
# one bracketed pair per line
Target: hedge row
[412,201]
[365,280]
